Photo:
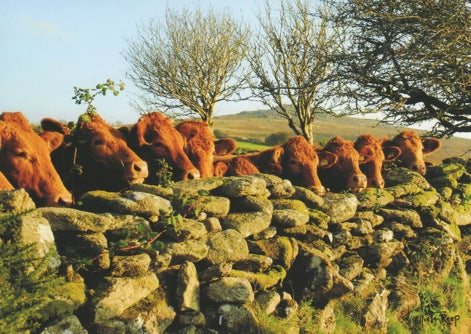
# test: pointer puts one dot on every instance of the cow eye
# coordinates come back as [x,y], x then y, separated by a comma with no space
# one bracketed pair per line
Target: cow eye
[98,142]
[292,162]
[21,154]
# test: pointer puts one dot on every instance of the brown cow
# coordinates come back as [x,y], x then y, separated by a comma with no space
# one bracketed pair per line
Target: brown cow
[154,137]
[4,183]
[413,149]
[372,168]
[25,161]
[106,161]
[345,173]
[200,145]
[295,160]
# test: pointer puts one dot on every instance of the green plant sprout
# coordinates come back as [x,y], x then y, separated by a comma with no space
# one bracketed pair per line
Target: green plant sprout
[87,95]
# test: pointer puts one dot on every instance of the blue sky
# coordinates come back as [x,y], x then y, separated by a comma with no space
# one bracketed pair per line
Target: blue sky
[50,46]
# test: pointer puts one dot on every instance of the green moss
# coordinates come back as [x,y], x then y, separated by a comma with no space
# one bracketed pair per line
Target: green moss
[293,204]
[424,198]
[319,218]
[262,281]
[65,300]
[444,181]
[280,249]
[404,189]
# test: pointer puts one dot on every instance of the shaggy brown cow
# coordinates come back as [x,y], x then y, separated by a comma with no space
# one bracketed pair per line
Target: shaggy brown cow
[4,183]
[25,161]
[200,145]
[154,137]
[295,160]
[413,149]
[106,161]
[345,173]
[372,168]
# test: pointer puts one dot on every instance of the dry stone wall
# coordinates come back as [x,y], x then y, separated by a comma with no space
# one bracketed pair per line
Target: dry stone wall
[245,244]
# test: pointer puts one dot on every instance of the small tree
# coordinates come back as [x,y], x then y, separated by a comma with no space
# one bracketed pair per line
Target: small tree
[277,138]
[190,63]
[409,59]
[291,63]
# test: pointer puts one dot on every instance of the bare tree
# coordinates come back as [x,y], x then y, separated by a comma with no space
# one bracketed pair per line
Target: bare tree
[291,63]
[189,63]
[409,59]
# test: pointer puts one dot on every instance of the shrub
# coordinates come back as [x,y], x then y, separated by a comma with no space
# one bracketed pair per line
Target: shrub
[277,138]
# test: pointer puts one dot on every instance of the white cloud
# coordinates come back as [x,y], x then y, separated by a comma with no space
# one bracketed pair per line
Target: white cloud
[44,28]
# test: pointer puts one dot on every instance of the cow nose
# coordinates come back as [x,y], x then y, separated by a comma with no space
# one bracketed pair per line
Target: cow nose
[318,190]
[192,174]
[357,182]
[64,199]
[378,183]
[140,168]
[419,168]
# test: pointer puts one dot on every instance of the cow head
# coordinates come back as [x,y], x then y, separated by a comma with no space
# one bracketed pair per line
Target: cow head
[346,173]
[300,161]
[154,137]
[25,161]
[413,149]
[101,150]
[372,155]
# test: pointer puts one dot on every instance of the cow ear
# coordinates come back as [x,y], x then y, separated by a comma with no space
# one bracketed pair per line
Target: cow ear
[50,124]
[431,145]
[277,153]
[225,146]
[141,134]
[386,142]
[391,153]
[52,139]
[326,159]
[125,130]
[365,155]
[220,168]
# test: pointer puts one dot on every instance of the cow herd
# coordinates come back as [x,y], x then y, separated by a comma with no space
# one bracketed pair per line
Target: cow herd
[94,155]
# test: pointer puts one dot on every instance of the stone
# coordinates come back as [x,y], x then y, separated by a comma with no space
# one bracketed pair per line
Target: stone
[247,223]
[282,250]
[380,254]
[189,250]
[129,202]
[69,324]
[235,319]
[403,231]
[289,204]
[267,233]
[400,175]
[188,288]
[130,266]
[254,263]
[127,227]
[375,318]
[262,281]
[66,299]
[212,224]
[372,198]
[68,219]
[243,186]
[37,231]
[215,272]
[277,187]
[404,216]
[152,314]
[226,246]
[383,235]
[305,233]
[451,170]
[121,293]
[268,300]
[289,218]
[157,190]
[421,199]
[370,216]
[230,290]
[309,198]
[252,204]
[191,318]
[16,201]
[319,218]
[404,189]
[214,206]
[188,229]
[340,207]
[351,265]
[194,187]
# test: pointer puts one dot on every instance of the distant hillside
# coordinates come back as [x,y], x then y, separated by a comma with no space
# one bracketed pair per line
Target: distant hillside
[261,123]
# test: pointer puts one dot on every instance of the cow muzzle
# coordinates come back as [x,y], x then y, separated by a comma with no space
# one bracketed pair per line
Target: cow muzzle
[357,182]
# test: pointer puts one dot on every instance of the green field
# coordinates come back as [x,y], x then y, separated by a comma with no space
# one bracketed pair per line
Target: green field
[257,125]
